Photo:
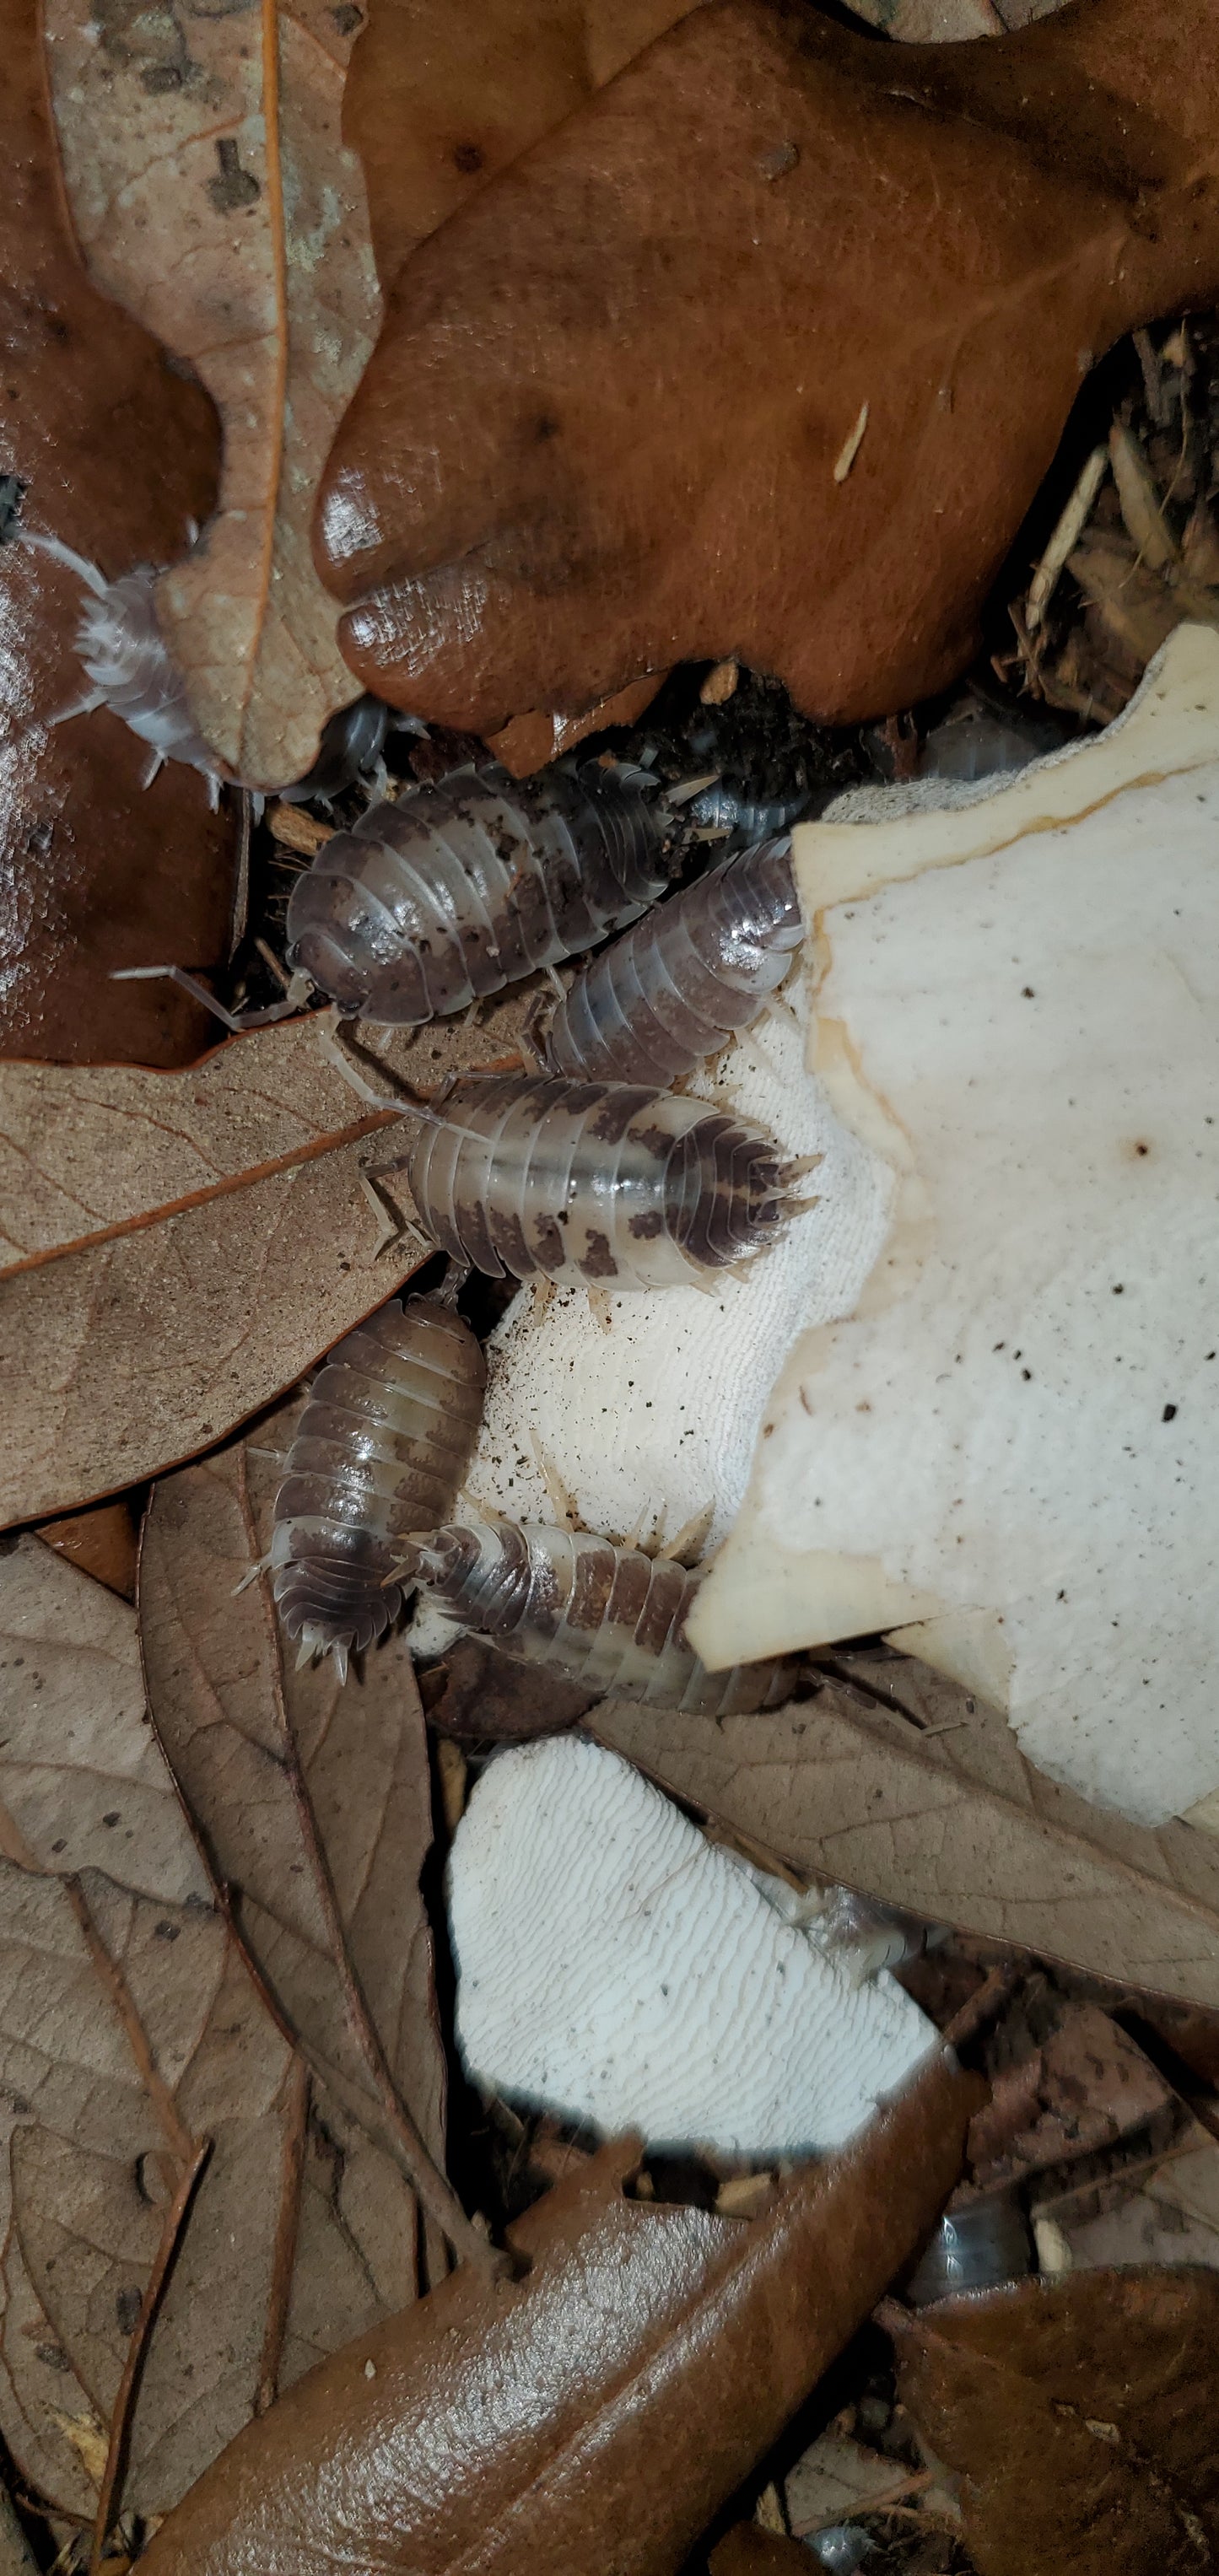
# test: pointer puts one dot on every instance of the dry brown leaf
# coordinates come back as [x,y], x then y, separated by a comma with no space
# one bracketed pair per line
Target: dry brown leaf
[131,2036]
[746,2551]
[441,96]
[103,1541]
[639,2369]
[310,1799]
[836,2478]
[214,198]
[175,1249]
[1078,2416]
[116,455]
[929,1804]
[1079,2087]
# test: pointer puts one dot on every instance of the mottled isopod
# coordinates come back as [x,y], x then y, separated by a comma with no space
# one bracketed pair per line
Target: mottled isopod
[381,1447]
[673,988]
[465,886]
[594,1184]
[605,1616]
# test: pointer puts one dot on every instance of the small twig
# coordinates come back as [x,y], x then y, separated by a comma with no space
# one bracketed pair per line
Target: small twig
[292,2168]
[1063,540]
[120,2420]
[296,830]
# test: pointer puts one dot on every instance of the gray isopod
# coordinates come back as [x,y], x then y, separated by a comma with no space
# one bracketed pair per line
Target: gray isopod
[462,887]
[673,988]
[382,1445]
[593,1184]
[605,1616]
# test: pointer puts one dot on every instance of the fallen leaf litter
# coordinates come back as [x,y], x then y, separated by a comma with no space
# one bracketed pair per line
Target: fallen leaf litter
[225,2041]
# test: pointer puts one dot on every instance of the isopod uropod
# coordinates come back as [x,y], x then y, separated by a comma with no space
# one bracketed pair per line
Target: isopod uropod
[462,887]
[593,1184]
[677,984]
[604,1615]
[381,1448]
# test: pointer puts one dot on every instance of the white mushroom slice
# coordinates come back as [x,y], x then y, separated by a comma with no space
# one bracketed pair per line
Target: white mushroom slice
[1010,1451]
[616,1968]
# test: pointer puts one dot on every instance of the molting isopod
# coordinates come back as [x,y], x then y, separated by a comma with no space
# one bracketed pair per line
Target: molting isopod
[465,886]
[674,988]
[125,655]
[600,1185]
[381,1449]
[606,1616]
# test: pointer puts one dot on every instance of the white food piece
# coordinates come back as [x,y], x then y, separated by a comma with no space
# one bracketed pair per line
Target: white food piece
[646,1409]
[614,1967]
[1009,1453]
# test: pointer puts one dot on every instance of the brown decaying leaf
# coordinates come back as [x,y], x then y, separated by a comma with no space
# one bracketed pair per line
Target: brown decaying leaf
[102,1541]
[746,2551]
[643,2364]
[440,97]
[214,198]
[1077,2417]
[484,1698]
[507,506]
[1078,2088]
[176,1249]
[117,455]
[928,1804]
[156,2134]
[310,1799]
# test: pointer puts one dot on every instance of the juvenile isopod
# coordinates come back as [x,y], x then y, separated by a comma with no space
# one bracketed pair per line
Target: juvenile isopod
[126,659]
[381,1448]
[675,986]
[593,1184]
[605,1616]
[467,885]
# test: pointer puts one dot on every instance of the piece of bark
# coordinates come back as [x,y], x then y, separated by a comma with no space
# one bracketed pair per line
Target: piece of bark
[643,2364]
[481,1697]
[1077,2415]
[214,198]
[102,1541]
[946,1820]
[529,742]
[176,1249]
[310,1800]
[118,455]
[599,430]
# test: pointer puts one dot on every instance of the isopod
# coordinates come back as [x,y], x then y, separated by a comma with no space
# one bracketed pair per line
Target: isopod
[467,885]
[125,656]
[381,1448]
[604,1615]
[593,1184]
[677,984]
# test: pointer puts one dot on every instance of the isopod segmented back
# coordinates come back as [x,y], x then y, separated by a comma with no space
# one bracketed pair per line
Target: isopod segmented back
[462,887]
[677,984]
[381,1448]
[606,1616]
[593,1184]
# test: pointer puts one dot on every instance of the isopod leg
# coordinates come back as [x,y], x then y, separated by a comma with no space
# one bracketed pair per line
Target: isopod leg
[237,1022]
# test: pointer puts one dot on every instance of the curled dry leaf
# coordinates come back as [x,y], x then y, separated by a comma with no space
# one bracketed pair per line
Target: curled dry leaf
[175,1249]
[642,2365]
[310,1800]
[622,319]
[117,455]
[187,2224]
[938,1812]
[103,1541]
[1078,2415]
[214,198]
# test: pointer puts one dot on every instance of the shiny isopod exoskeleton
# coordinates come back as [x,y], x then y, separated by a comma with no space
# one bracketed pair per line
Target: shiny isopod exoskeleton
[593,1184]
[462,887]
[380,1450]
[677,985]
[603,1615]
